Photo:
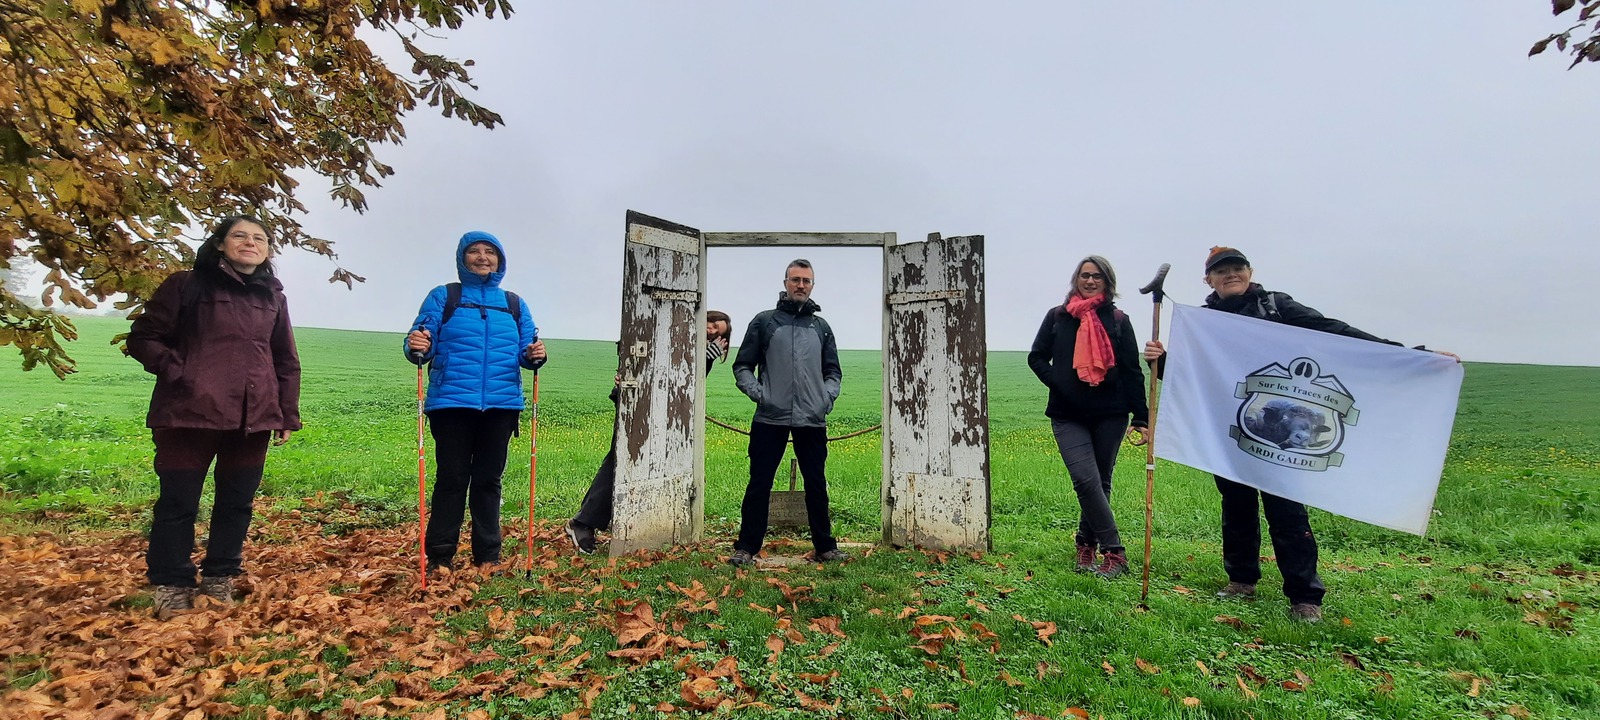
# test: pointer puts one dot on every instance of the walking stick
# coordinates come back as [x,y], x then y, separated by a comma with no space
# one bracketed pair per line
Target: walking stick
[1154,290]
[422,490]
[533,470]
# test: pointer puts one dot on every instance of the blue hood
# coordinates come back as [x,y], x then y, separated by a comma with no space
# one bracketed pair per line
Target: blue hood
[467,276]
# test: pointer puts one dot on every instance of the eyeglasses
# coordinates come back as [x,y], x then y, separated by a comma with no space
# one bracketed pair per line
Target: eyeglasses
[1091,276]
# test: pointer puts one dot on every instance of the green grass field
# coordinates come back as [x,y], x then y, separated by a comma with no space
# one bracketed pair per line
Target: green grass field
[1491,615]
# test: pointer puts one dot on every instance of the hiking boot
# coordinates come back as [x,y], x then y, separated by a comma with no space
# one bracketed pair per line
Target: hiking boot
[219,588]
[1237,590]
[169,599]
[1112,564]
[740,558]
[438,571]
[582,536]
[1306,613]
[834,555]
[1085,559]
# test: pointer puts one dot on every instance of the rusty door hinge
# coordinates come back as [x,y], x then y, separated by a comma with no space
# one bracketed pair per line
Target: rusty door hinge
[902,298]
[661,293]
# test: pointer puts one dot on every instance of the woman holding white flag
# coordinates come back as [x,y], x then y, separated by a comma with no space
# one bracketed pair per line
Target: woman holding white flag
[1087,355]
[1229,275]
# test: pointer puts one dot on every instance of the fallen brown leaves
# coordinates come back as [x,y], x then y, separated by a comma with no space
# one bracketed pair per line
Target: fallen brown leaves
[721,686]
[1043,629]
[70,612]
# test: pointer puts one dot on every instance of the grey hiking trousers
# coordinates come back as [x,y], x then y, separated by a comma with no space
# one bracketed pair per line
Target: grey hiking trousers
[1089,450]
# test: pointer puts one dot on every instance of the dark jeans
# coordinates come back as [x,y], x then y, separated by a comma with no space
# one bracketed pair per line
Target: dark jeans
[182,457]
[1292,541]
[766,451]
[469,457]
[1089,449]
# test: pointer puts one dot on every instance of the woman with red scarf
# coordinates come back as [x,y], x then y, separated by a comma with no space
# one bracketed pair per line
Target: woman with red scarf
[1086,354]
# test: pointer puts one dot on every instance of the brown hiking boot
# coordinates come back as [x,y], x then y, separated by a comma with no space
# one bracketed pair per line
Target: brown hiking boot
[1237,590]
[216,588]
[1112,564]
[168,600]
[740,558]
[1306,613]
[834,555]
[1085,558]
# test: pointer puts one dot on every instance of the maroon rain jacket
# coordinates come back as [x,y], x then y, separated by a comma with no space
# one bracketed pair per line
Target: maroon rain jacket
[226,363]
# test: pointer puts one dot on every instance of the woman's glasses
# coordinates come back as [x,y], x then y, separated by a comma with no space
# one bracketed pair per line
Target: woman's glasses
[1091,276]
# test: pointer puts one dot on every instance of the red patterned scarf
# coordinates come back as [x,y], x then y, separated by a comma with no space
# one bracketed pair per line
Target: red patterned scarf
[1093,356]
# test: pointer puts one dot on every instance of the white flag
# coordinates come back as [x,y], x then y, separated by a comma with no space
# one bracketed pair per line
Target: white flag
[1354,427]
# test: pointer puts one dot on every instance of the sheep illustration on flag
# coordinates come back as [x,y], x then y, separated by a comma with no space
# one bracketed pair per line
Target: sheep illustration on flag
[1293,415]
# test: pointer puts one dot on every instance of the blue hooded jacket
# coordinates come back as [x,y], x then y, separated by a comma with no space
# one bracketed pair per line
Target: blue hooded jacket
[476,358]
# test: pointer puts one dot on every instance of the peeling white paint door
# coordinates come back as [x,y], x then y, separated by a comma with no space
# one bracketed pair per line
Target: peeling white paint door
[936,420]
[661,410]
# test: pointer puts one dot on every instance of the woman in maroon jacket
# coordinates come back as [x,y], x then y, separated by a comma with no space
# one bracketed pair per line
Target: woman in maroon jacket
[219,342]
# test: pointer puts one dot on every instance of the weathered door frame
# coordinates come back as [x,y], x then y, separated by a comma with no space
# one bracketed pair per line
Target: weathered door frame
[936,489]
[887,242]
[658,498]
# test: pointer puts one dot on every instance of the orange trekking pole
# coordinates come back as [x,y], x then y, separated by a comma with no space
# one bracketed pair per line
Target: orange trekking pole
[422,488]
[533,470]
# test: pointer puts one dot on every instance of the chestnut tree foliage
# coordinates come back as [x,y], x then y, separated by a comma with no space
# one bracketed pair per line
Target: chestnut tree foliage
[1582,39]
[129,126]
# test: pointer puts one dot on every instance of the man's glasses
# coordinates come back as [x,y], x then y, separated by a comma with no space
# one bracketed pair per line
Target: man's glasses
[1091,276]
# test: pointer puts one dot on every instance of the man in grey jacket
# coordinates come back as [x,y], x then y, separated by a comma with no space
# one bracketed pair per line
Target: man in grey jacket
[789,365]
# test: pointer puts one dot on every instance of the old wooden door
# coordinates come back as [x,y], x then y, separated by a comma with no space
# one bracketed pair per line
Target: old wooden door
[936,416]
[661,411]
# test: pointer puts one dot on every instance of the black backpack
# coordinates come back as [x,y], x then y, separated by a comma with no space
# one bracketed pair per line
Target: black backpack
[452,300]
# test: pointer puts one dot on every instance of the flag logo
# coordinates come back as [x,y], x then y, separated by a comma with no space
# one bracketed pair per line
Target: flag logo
[1293,415]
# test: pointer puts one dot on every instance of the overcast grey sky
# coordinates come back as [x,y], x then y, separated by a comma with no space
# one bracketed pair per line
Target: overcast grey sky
[1401,166]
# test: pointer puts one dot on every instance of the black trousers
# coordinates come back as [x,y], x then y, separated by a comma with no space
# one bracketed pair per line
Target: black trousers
[1292,540]
[183,456]
[595,512]
[767,443]
[469,458]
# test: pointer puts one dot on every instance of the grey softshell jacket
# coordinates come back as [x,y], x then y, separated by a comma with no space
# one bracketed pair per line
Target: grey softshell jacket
[789,365]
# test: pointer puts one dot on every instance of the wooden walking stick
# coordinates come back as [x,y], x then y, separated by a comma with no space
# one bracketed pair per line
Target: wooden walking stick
[422,488]
[1154,290]
[533,470]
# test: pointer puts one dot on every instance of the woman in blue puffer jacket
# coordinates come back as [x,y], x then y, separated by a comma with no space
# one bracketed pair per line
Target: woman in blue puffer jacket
[477,339]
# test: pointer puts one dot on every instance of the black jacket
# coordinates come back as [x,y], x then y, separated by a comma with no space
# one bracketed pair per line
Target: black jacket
[1263,304]
[1121,393]
[1258,302]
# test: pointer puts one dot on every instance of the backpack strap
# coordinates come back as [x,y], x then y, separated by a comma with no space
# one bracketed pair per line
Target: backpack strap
[1269,307]
[452,300]
[514,306]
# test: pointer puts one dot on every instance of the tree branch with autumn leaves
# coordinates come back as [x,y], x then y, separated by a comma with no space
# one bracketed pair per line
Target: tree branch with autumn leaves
[132,126]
